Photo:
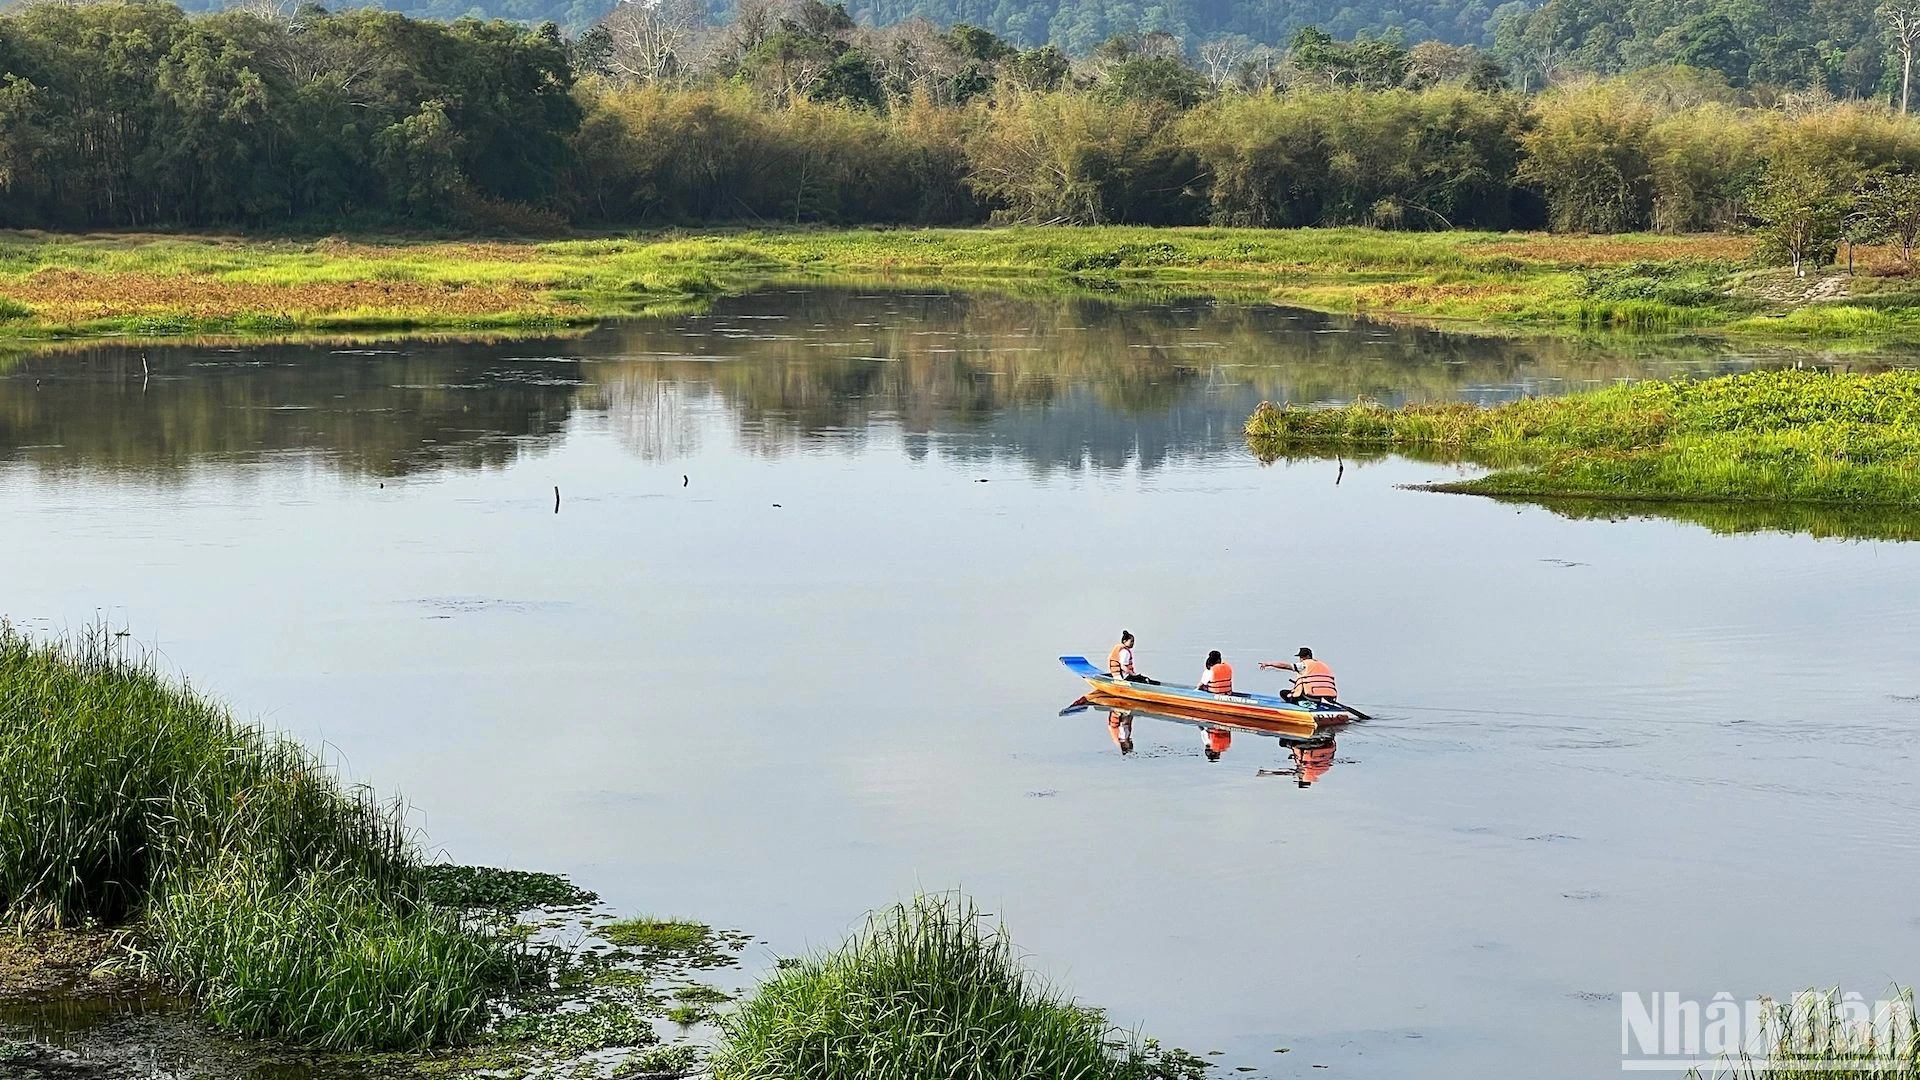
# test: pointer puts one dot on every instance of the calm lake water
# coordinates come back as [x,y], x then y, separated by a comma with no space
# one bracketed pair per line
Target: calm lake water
[787,652]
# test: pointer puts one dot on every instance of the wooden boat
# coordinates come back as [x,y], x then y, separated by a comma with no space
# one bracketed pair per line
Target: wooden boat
[1119,693]
[1290,730]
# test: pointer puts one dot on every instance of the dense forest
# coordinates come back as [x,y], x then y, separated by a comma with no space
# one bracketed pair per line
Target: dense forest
[140,115]
[1798,42]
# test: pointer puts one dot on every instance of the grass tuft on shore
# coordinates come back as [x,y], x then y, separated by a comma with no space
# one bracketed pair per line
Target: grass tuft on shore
[331,960]
[928,988]
[1783,437]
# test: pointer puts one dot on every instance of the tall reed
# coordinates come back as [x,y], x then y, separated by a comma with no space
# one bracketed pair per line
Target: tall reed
[112,779]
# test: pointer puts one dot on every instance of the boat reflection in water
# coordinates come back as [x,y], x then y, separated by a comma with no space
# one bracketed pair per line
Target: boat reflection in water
[1310,749]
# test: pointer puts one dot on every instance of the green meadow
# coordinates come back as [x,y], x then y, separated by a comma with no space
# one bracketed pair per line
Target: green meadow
[1793,437]
[159,286]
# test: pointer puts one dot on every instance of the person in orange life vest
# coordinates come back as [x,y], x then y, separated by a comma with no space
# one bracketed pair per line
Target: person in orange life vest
[1313,678]
[1120,660]
[1120,726]
[1218,739]
[1219,678]
[1312,760]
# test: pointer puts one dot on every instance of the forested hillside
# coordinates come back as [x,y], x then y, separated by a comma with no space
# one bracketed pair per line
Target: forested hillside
[1834,44]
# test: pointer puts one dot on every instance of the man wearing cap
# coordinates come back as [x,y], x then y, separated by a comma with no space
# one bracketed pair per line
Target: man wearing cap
[1312,679]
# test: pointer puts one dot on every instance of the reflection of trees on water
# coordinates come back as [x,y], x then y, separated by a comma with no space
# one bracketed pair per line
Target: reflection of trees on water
[1075,382]
[1057,383]
[379,413]
[655,419]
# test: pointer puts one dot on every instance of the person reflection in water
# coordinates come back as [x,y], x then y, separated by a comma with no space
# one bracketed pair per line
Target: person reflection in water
[1311,760]
[1217,741]
[1120,726]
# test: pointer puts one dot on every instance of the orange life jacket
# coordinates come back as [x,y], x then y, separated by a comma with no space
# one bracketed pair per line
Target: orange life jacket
[1316,680]
[1220,678]
[1218,739]
[1114,667]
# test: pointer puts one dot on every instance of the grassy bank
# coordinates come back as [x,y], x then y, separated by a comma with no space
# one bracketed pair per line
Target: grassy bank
[291,906]
[1779,437]
[161,286]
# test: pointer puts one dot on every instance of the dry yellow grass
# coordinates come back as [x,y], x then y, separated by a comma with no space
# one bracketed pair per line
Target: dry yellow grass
[75,296]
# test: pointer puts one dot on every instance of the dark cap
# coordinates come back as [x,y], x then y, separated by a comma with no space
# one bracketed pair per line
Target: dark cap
[1304,653]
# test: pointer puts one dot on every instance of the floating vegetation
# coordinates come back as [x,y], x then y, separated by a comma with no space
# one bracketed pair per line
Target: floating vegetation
[1792,437]
[687,1015]
[469,888]
[701,994]
[676,941]
[926,989]
[659,935]
[605,1024]
[660,1063]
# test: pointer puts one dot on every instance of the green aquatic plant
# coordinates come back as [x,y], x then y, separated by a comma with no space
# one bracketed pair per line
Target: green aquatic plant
[604,1024]
[660,1063]
[701,994]
[492,889]
[927,989]
[1779,437]
[659,935]
[687,1015]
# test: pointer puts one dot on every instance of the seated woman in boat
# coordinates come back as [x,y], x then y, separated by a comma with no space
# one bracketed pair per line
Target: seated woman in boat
[1219,678]
[1314,679]
[1120,660]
